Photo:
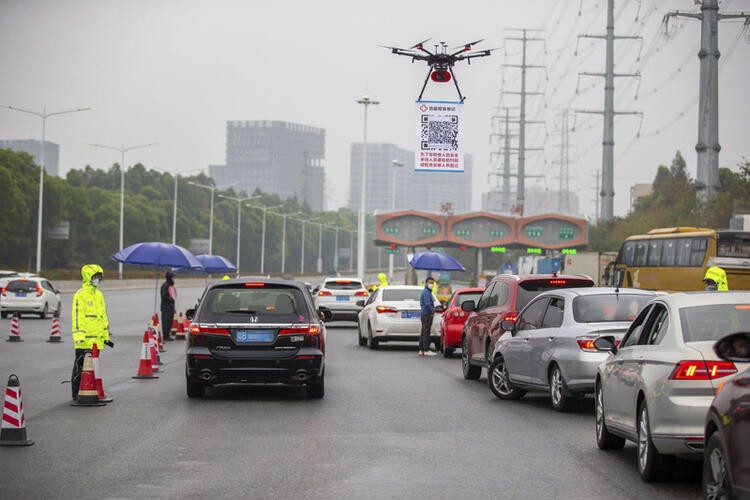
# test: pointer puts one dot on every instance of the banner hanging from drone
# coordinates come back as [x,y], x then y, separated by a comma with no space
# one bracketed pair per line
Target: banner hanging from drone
[440,132]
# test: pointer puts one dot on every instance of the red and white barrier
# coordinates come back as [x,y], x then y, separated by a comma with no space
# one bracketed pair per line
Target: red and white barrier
[15,330]
[13,427]
[55,334]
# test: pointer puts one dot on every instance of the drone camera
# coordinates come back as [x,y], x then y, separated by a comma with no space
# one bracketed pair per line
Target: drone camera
[440,76]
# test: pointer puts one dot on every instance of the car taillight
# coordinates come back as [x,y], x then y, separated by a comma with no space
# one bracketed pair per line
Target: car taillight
[198,329]
[254,284]
[511,316]
[39,291]
[3,290]
[558,282]
[385,309]
[361,293]
[586,344]
[324,293]
[702,370]
[311,333]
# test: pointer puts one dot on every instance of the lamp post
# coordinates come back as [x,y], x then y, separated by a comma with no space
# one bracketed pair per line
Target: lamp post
[396,164]
[351,250]
[211,188]
[302,246]
[366,102]
[239,222]
[122,150]
[43,115]
[263,235]
[283,240]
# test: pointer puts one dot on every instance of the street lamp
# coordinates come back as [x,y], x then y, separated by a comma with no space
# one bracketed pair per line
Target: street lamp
[366,102]
[283,240]
[122,150]
[302,246]
[43,115]
[263,234]
[211,188]
[239,221]
[396,164]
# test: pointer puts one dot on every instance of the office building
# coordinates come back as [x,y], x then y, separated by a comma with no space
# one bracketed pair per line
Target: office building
[34,148]
[276,157]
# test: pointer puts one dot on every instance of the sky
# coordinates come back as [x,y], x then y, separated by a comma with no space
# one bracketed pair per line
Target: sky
[173,72]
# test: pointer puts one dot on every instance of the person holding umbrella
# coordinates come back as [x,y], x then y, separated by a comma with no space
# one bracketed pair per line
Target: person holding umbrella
[168,297]
[427,307]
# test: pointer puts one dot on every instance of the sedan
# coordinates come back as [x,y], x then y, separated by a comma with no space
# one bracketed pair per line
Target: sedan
[341,295]
[454,318]
[32,295]
[726,461]
[392,313]
[550,347]
[656,387]
[257,331]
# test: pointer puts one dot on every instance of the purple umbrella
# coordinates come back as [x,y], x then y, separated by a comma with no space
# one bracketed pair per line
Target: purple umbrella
[433,261]
[158,254]
[216,263]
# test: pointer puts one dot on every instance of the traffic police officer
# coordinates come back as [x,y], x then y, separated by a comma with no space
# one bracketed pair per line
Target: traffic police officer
[89,322]
[716,279]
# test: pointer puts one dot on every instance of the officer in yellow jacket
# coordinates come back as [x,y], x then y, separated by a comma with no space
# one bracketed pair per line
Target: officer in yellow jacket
[89,322]
[716,279]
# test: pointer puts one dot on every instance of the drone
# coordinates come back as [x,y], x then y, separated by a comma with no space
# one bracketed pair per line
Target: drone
[441,61]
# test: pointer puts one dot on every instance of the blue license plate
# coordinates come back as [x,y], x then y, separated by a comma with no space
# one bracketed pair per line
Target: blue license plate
[253,336]
[20,294]
[342,298]
[411,314]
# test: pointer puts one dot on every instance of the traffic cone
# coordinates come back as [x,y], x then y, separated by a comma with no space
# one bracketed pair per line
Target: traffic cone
[145,369]
[152,343]
[13,427]
[157,333]
[87,395]
[180,333]
[187,325]
[15,329]
[173,330]
[55,333]
[97,377]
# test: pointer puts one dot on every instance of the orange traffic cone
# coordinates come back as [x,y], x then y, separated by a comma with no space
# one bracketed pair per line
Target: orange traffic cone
[55,333]
[173,329]
[180,333]
[157,333]
[15,329]
[13,427]
[155,361]
[145,369]
[98,378]
[87,395]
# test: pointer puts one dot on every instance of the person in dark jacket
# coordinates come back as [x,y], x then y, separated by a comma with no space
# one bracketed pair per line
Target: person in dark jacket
[427,307]
[168,297]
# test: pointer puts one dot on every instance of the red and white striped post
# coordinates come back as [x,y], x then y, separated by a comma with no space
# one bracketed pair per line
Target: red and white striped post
[15,329]
[13,427]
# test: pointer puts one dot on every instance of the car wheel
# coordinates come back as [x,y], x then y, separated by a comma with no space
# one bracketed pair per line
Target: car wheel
[447,353]
[716,482]
[470,371]
[371,342]
[59,309]
[362,341]
[316,388]
[3,314]
[195,389]
[438,345]
[499,381]
[45,311]
[604,440]
[652,465]
[558,391]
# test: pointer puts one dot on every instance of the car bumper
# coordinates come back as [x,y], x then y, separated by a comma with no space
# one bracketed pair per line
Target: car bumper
[579,370]
[453,334]
[296,369]
[678,423]
[27,306]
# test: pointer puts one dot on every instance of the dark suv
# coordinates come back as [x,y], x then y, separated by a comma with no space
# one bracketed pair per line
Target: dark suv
[502,300]
[256,331]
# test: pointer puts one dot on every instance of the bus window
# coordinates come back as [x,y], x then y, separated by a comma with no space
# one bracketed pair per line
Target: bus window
[733,245]
[654,252]
[668,250]
[640,253]
[698,253]
[626,254]
[683,252]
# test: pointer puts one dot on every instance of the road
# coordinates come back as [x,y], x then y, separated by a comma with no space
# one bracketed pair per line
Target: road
[392,425]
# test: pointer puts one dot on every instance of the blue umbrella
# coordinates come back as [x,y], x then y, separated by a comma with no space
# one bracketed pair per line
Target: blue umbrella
[158,254]
[433,261]
[216,263]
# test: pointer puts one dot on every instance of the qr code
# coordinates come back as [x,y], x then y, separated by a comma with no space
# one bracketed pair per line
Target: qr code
[439,132]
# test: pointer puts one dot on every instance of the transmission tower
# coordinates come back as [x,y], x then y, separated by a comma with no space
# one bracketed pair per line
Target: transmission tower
[563,203]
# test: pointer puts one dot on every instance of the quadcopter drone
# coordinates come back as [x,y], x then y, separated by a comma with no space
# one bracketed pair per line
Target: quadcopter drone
[441,61]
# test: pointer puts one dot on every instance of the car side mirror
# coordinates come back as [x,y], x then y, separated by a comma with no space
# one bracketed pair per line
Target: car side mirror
[734,347]
[508,325]
[468,306]
[606,343]
[325,314]
[360,303]
[190,313]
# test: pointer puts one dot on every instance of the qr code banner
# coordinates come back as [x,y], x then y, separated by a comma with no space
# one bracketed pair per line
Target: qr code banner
[440,135]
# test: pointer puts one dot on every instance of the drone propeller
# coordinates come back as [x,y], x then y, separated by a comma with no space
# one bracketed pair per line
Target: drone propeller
[419,45]
[467,46]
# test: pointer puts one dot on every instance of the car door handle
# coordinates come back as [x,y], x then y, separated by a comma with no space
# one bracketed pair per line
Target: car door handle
[550,339]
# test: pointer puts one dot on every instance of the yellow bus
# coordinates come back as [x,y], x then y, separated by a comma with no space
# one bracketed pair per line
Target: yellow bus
[676,258]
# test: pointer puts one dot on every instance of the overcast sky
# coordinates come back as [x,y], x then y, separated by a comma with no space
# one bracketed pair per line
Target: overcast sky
[174,72]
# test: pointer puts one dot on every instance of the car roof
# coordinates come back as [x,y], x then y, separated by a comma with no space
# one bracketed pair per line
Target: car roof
[271,281]
[598,290]
[527,277]
[704,298]
[470,290]
[342,278]
[401,287]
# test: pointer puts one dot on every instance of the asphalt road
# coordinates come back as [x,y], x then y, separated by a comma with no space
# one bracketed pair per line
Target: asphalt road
[392,425]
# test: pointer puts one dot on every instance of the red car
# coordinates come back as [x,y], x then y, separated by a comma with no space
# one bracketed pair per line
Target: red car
[503,299]
[454,318]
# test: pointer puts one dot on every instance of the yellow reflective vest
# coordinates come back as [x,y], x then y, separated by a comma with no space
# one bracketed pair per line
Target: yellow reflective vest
[89,321]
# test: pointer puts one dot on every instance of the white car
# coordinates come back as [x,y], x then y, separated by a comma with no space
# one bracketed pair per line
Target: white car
[392,313]
[341,295]
[32,295]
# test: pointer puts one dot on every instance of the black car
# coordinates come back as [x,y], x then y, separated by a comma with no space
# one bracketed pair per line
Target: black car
[256,331]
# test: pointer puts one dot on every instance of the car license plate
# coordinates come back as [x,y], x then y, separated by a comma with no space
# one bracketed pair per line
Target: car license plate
[20,294]
[342,298]
[410,314]
[252,336]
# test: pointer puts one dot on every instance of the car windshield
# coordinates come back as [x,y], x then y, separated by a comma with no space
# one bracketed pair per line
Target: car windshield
[395,294]
[463,297]
[343,285]
[527,290]
[609,307]
[701,323]
[22,286]
[267,302]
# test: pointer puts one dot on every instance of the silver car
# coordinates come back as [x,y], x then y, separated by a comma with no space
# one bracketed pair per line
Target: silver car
[656,386]
[550,347]
[392,313]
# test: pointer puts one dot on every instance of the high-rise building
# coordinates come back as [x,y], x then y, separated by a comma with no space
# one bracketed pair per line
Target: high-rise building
[392,182]
[34,148]
[276,157]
